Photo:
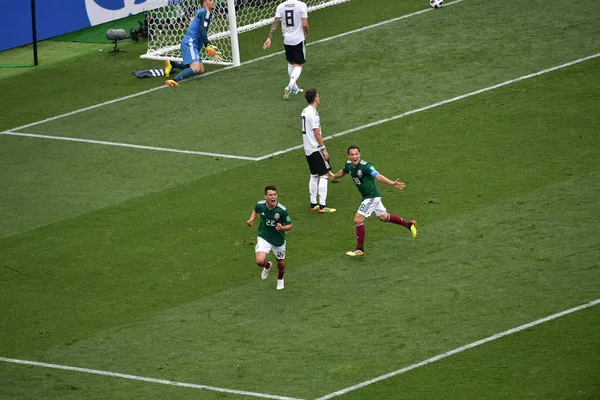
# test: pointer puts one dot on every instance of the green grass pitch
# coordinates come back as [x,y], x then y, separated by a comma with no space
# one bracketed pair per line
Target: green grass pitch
[126,260]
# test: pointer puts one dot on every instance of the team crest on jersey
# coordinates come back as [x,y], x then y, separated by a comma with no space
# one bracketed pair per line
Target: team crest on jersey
[359,173]
[276,216]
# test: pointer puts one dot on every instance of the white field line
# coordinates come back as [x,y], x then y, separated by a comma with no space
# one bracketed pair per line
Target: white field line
[134,146]
[381,23]
[460,349]
[146,379]
[13,131]
[440,103]
[262,395]
[329,137]
[328,396]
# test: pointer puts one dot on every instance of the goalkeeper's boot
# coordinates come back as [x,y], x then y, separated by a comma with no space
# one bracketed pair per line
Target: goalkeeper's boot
[265,272]
[171,83]
[297,90]
[355,253]
[413,228]
[286,92]
[325,209]
[168,67]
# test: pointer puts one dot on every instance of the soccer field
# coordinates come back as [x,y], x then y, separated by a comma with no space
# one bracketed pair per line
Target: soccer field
[128,271]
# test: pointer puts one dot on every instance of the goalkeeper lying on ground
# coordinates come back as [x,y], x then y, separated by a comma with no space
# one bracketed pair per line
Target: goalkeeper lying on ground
[193,41]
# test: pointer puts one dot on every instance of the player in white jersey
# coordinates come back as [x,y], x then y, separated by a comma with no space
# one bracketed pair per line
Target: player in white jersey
[316,154]
[293,15]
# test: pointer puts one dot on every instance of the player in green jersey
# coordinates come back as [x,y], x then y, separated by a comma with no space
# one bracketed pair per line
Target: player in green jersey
[364,176]
[274,223]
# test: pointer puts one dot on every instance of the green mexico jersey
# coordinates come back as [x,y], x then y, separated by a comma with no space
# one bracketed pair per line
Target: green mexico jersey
[364,181]
[269,218]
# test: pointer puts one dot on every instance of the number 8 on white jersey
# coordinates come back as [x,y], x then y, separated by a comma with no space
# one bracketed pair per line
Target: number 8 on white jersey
[290,13]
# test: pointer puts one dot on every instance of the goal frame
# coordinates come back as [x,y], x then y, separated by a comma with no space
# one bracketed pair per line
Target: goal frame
[233,32]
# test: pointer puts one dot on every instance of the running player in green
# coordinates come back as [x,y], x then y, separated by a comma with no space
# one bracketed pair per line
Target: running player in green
[364,175]
[274,223]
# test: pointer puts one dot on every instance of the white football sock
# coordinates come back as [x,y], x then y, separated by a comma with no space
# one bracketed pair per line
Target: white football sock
[297,71]
[313,188]
[323,181]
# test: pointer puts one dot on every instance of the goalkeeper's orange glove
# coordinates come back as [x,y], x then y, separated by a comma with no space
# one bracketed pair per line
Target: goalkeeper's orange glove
[211,50]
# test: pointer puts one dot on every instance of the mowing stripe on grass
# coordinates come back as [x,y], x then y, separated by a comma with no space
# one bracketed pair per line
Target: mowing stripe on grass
[440,103]
[460,349]
[328,396]
[380,23]
[359,128]
[12,131]
[146,379]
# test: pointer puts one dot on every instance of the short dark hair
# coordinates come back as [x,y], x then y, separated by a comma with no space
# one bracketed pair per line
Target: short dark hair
[353,147]
[310,95]
[270,187]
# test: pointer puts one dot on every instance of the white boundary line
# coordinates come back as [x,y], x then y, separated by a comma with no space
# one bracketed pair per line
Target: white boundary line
[440,103]
[223,69]
[329,137]
[145,379]
[460,349]
[381,23]
[382,121]
[328,396]
[134,146]
[14,133]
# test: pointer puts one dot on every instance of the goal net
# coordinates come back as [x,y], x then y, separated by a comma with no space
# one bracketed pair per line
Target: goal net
[168,24]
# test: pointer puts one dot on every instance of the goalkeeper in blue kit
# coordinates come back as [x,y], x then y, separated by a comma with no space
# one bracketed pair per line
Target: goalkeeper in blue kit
[194,40]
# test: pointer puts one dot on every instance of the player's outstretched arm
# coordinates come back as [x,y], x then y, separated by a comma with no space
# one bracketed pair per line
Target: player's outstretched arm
[274,25]
[397,184]
[338,174]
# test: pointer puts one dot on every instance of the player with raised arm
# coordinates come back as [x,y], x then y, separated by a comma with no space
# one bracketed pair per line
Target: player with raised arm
[293,15]
[274,223]
[195,38]
[364,176]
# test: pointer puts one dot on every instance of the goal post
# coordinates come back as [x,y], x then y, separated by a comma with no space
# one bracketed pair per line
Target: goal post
[168,24]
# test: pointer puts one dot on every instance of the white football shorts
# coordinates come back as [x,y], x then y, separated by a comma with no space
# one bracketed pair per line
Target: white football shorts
[370,206]
[266,247]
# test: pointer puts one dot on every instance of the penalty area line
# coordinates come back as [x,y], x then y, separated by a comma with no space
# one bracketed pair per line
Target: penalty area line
[146,379]
[14,132]
[460,349]
[129,145]
[439,103]
[378,24]
[270,55]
